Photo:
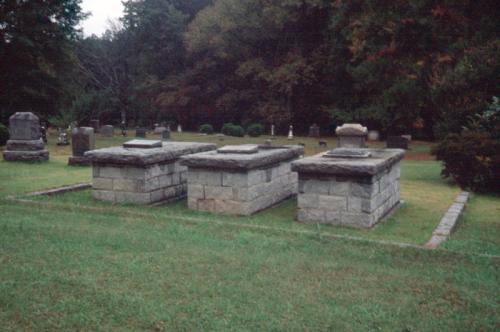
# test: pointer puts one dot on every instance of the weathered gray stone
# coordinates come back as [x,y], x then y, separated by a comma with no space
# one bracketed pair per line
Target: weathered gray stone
[102,183]
[242,161]
[107,131]
[141,157]
[351,135]
[79,161]
[136,177]
[240,191]
[244,148]
[159,130]
[30,156]
[25,143]
[82,140]
[380,160]
[142,144]
[343,191]
[24,126]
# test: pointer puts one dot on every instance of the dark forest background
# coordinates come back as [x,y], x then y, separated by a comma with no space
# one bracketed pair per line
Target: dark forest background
[425,67]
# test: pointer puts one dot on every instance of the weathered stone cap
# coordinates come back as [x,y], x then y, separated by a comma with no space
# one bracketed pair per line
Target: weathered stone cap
[351,129]
[24,116]
[239,161]
[380,159]
[142,157]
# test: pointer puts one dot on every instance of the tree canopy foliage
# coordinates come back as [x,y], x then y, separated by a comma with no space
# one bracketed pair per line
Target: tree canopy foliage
[36,42]
[419,66]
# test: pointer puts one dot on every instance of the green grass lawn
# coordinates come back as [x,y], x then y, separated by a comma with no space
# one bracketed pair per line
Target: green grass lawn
[69,263]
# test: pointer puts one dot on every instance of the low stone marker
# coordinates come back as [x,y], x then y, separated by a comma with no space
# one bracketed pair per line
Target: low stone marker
[82,140]
[397,142]
[25,142]
[351,135]
[241,180]
[142,175]
[140,132]
[350,187]
[159,130]
[94,123]
[314,131]
[107,131]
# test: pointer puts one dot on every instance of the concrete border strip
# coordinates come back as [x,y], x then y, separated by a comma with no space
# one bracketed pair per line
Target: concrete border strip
[448,222]
[61,190]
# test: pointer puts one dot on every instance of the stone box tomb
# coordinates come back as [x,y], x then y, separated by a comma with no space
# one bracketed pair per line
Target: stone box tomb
[241,180]
[25,142]
[349,187]
[142,175]
[82,140]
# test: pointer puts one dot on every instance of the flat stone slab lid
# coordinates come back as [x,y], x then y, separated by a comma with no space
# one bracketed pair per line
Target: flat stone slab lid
[347,153]
[141,157]
[242,161]
[142,144]
[244,148]
[351,129]
[379,160]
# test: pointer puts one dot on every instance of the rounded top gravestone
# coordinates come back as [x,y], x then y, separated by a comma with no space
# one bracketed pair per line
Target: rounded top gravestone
[24,126]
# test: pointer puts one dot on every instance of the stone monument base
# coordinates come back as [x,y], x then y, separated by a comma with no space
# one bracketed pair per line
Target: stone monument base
[79,161]
[41,155]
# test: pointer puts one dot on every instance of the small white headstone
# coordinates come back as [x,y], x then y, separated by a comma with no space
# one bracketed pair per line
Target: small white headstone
[179,128]
[272,130]
[290,133]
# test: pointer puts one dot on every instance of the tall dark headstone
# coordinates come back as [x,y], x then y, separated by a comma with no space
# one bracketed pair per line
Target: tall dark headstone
[94,123]
[82,140]
[25,143]
[397,142]
[140,132]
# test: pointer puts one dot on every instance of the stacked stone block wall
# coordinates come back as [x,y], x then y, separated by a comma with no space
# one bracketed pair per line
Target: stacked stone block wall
[240,193]
[350,201]
[139,185]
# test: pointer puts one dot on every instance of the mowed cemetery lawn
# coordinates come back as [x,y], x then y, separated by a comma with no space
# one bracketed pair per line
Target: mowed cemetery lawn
[68,262]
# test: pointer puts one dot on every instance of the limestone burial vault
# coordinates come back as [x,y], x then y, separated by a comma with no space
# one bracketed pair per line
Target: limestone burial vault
[241,180]
[351,187]
[141,171]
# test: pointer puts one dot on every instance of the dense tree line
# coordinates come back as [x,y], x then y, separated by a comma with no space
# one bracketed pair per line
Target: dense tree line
[419,66]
